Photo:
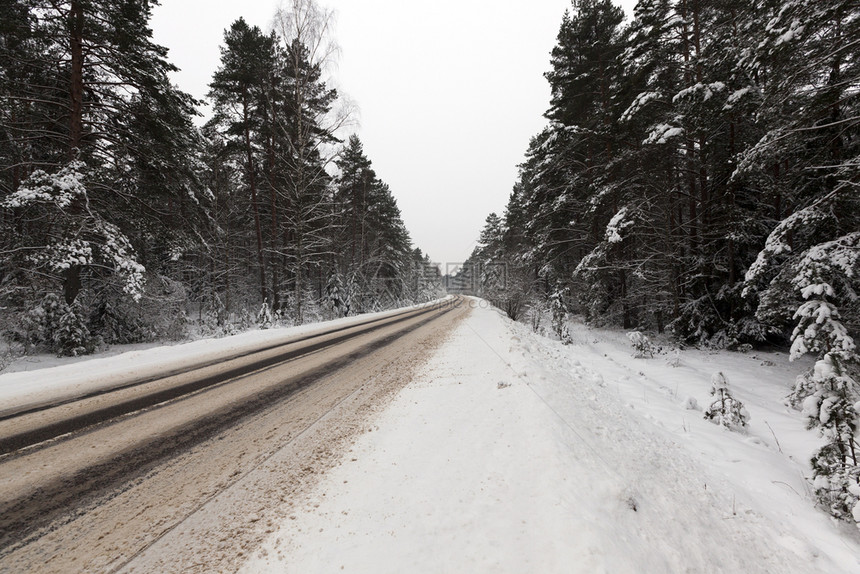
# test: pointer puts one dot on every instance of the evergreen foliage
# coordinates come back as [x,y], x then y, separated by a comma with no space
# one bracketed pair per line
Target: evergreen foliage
[121,222]
[726,410]
[700,173]
[692,157]
[641,344]
[71,337]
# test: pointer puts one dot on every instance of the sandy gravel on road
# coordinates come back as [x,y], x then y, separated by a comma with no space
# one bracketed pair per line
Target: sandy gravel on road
[205,509]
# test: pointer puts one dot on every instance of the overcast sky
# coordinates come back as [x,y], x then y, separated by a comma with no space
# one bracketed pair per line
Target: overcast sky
[449,93]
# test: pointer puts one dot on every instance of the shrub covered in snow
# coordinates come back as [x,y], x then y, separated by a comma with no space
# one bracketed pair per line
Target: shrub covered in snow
[338,298]
[264,316]
[55,326]
[559,317]
[641,344]
[535,315]
[72,337]
[40,322]
[726,410]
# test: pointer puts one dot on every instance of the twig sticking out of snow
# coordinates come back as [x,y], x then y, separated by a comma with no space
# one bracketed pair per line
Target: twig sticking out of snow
[774,436]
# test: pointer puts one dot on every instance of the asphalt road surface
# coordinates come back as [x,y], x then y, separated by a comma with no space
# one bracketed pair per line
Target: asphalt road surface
[189,471]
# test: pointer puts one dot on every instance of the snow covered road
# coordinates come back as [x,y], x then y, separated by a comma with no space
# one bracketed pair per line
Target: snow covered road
[507,454]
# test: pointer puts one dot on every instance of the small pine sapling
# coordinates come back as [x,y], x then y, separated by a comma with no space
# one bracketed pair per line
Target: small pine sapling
[641,344]
[559,317]
[726,410]
[72,337]
[566,339]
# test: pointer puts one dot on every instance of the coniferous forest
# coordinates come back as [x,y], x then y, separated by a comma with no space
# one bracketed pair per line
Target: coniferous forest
[121,221]
[700,175]
[700,172]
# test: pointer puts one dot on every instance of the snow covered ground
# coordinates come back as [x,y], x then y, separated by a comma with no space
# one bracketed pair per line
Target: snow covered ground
[511,452]
[514,453]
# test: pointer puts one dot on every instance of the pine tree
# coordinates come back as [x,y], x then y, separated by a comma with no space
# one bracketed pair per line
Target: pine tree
[726,410]
[377,251]
[72,337]
[306,183]
[307,124]
[355,180]
[586,71]
[238,91]
[830,392]
[100,149]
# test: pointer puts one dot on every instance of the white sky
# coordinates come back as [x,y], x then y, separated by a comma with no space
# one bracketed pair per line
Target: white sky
[449,93]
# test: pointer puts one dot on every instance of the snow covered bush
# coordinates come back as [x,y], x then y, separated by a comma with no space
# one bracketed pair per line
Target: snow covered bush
[41,321]
[535,317]
[337,298]
[641,344]
[825,276]
[726,410]
[313,308]
[55,326]
[159,314]
[72,337]
[10,353]
[559,317]
[724,320]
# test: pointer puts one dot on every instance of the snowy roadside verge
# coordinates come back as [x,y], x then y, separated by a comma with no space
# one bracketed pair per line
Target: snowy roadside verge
[25,389]
[512,453]
[766,463]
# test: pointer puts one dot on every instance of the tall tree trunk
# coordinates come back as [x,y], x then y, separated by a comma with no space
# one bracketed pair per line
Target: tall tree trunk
[704,194]
[688,140]
[227,286]
[72,275]
[252,182]
[76,84]
[273,235]
[298,284]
